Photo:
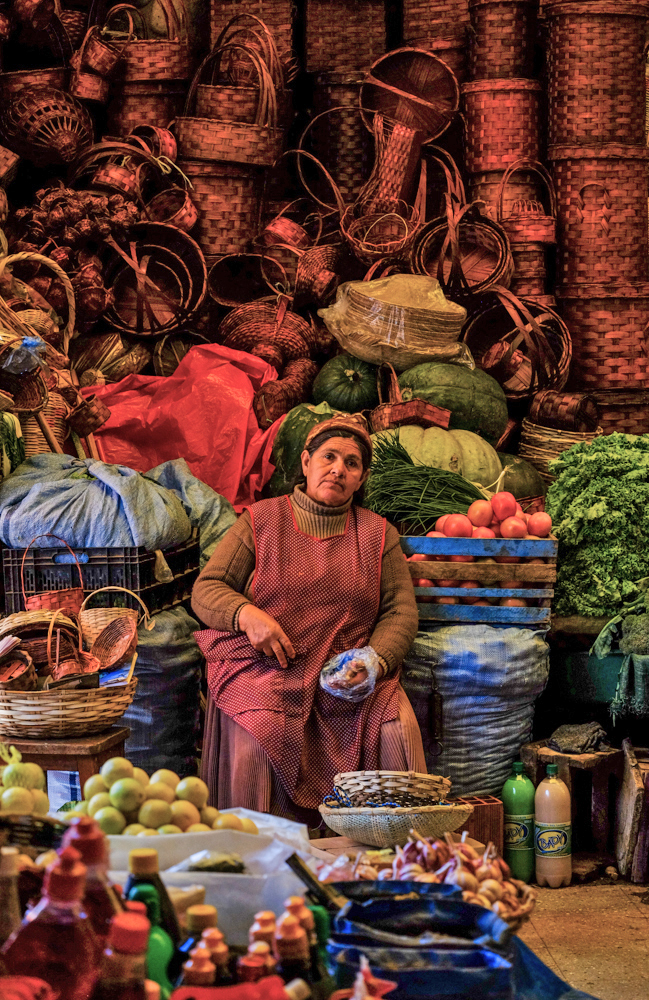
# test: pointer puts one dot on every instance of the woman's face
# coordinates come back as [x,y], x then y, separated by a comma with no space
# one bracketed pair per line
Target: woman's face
[334,472]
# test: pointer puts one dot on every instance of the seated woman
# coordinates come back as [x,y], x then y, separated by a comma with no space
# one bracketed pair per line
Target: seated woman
[296,580]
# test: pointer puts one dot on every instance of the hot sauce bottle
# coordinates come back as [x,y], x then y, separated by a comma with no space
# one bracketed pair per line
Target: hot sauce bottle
[100,900]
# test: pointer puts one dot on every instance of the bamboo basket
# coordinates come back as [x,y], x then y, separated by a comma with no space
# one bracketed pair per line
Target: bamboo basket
[337,134]
[46,125]
[93,621]
[148,59]
[503,122]
[565,411]
[503,35]
[19,80]
[623,412]
[278,15]
[540,445]
[426,19]
[227,198]
[55,412]
[69,599]
[115,643]
[61,714]
[143,103]
[361,786]
[397,413]
[32,627]
[343,37]
[385,827]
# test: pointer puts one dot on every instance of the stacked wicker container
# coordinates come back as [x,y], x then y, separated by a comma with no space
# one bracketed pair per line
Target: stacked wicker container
[439,26]
[598,153]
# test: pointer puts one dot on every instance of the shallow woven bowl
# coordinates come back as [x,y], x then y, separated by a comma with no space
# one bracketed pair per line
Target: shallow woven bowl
[63,713]
[385,827]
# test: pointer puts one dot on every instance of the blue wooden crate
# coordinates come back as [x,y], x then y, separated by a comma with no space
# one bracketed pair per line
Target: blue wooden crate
[487,574]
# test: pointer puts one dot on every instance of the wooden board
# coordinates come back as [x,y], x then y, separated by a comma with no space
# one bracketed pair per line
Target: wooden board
[629,810]
[640,865]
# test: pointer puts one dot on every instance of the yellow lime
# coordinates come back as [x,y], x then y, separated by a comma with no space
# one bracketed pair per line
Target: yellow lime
[115,769]
[17,800]
[72,814]
[169,828]
[184,814]
[133,829]
[110,820]
[127,794]
[36,776]
[227,821]
[154,813]
[169,777]
[41,802]
[82,807]
[147,833]
[247,825]
[140,775]
[193,790]
[93,786]
[198,828]
[208,815]
[159,790]
[99,801]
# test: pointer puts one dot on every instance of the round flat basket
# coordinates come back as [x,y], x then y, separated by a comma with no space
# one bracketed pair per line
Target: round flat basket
[385,827]
[63,713]
[398,787]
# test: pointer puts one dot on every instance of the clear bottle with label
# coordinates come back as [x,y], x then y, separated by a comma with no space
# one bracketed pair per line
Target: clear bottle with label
[518,802]
[553,831]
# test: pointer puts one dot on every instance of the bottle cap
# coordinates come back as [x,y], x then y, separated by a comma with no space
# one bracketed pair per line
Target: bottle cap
[552,770]
[129,933]
[201,916]
[9,861]
[265,917]
[259,948]
[151,990]
[518,767]
[65,878]
[296,906]
[297,989]
[147,894]
[290,938]
[135,906]
[213,940]
[87,838]
[200,970]
[143,861]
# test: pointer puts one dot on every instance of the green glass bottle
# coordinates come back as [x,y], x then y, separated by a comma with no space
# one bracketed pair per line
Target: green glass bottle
[518,800]
[160,949]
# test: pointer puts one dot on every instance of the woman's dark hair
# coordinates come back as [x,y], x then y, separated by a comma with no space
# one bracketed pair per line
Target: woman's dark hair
[300,479]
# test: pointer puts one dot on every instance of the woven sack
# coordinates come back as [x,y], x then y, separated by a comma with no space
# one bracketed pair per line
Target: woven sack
[146,59]
[503,36]
[396,413]
[503,122]
[68,600]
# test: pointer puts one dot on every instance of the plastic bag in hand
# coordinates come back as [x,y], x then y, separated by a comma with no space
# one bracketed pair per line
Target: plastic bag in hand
[340,674]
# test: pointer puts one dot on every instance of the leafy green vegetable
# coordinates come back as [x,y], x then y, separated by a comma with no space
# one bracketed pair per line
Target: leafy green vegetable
[599,506]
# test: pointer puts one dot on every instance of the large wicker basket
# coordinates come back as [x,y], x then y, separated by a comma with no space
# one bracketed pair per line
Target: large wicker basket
[63,713]
[540,445]
[385,827]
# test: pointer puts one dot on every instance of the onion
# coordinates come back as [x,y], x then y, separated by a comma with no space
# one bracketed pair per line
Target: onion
[492,888]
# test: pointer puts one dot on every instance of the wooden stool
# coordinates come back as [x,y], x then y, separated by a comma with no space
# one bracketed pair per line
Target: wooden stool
[85,754]
[601,765]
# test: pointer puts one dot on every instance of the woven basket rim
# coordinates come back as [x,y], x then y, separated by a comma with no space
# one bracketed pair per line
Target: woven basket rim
[392,811]
[71,696]
[613,291]
[605,151]
[511,83]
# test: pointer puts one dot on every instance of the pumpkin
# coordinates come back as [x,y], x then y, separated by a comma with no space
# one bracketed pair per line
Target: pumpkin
[289,444]
[476,401]
[347,383]
[521,478]
[458,451]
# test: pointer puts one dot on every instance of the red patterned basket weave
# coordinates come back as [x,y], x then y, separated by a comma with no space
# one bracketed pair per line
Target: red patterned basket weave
[502,38]
[503,122]
[424,20]
[602,212]
[596,83]
[278,15]
[623,412]
[338,137]
[227,198]
[608,324]
[342,37]
[135,104]
[20,79]
[147,59]
[565,411]
[522,186]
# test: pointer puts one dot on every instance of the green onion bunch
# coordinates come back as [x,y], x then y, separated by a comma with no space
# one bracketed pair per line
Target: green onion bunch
[414,496]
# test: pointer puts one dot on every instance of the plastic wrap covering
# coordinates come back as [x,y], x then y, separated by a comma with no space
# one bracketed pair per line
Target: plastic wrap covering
[404,319]
[341,674]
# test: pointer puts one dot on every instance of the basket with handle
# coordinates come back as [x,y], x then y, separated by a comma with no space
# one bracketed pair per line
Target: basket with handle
[68,600]
[76,662]
[174,207]
[227,198]
[528,222]
[32,626]
[17,672]
[146,59]
[277,16]
[98,54]
[258,143]
[397,413]
[115,643]
[93,621]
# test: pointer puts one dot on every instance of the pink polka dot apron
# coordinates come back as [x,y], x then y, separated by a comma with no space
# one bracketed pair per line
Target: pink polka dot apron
[325,593]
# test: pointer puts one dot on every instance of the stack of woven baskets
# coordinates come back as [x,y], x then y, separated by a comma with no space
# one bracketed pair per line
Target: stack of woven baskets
[440,26]
[597,148]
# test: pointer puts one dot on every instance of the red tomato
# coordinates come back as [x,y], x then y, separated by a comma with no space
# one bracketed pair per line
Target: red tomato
[519,510]
[435,534]
[507,559]
[495,527]
[470,585]
[460,559]
[540,524]
[419,557]
[504,505]
[509,584]
[513,527]
[423,599]
[513,602]
[447,600]
[483,533]
[458,526]
[481,603]
[445,583]
[440,522]
[480,513]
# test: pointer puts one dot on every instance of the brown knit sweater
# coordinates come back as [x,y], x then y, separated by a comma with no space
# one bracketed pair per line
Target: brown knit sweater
[223,587]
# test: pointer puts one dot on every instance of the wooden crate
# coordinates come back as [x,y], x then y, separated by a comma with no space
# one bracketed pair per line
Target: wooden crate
[535,580]
[486,822]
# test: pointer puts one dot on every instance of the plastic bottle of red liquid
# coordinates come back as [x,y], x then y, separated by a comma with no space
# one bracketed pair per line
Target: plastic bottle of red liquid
[271,988]
[100,900]
[123,968]
[55,941]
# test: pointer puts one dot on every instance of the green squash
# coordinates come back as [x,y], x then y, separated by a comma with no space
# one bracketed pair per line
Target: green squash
[476,401]
[458,451]
[289,444]
[346,383]
[521,478]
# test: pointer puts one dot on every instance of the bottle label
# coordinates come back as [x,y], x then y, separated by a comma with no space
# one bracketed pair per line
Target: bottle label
[518,832]
[552,840]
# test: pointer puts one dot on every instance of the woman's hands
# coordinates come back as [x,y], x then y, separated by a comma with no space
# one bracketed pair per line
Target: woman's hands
[354,672]
[351,675]
[265,634]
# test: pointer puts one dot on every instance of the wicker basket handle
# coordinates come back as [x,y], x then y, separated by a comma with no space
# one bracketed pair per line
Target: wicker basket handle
[454,183]
[532,334]
[50,633]
[134,16]
[175,16]
[149,622]
[260,32]
[340,204]
[144,282]
[266,113]
[16,258]
[394,392]
[605,208]
[534,167]
[46,534]
[456,283]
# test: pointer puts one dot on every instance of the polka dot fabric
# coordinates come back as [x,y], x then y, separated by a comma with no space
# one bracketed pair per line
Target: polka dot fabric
[325,593]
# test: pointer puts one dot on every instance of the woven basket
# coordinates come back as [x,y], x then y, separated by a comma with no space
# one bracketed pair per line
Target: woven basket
[8,170]
[239,278]
[74,24]
[602,211]
[88,416]
[596,88]
[220,96]
[153,103]
[503,36]
[68,600]
[361,786]
[32,627]
[397,413]
[21,79]
[390,827]
[89,87]
[523,186]
[343,37]
[17,672]
[62,664]
[174,207]
[227,198]
[453,49]
[59,714]
[540,445]
[55,412]
[116,643]
[623,412]
[147,59]
[172,348]
[565,411]
[503,122]
[158,141]
[46,125]
[609,326]
[255,323]
[526,220]
[278,15]
[99,55]
[93,621]
[433,18]
[337,134]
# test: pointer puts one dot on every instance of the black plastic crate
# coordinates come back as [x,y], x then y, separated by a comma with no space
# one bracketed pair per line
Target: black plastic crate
[133,568]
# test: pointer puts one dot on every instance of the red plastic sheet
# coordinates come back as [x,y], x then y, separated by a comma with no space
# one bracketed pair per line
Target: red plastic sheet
[202,413]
